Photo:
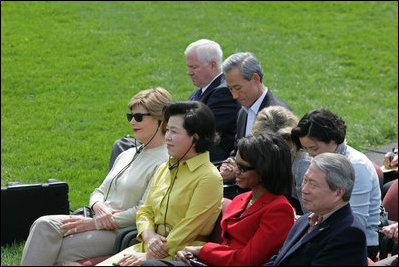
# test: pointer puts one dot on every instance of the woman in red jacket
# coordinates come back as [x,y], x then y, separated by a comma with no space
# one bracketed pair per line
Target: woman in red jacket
[256,223]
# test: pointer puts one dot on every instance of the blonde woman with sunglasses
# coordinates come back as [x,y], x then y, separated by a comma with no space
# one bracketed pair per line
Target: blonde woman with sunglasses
[115,202]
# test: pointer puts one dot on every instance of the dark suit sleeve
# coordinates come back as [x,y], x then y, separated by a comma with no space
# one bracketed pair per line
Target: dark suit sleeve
[348,248]
[225,109]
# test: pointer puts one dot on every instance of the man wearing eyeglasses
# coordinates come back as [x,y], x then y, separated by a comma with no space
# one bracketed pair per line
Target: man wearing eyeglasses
[204,62]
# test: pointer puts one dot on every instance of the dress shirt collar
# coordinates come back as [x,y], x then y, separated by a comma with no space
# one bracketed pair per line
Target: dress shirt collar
[255,106]
[206,87]
[252,112]
[193,162]
[315,219]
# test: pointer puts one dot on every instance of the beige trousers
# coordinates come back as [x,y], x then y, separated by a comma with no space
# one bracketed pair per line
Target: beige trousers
[46,244]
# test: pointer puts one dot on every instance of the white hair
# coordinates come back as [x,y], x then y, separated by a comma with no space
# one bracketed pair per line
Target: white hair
[207,50]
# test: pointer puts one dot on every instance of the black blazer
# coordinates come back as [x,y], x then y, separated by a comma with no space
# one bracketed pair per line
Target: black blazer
[269,100]
[225,108]
[338,241]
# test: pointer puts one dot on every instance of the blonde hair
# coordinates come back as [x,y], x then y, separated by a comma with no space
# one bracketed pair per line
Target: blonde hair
[153,100]
[277,120]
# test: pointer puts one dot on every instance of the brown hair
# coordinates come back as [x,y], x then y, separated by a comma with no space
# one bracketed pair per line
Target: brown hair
[153,100]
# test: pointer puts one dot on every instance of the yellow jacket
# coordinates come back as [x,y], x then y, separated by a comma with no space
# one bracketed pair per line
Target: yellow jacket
[194,204]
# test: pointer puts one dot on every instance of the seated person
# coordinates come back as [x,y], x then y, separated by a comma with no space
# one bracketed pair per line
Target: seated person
[185,197]
[56,238]
[390,163]
[204,62]
[330,234]
[280,120]
[256,223]
[244,77]
[390,231]
[321,131]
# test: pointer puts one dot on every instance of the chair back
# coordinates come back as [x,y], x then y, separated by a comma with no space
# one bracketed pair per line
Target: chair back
[379,173]
[390,202]
[216,235]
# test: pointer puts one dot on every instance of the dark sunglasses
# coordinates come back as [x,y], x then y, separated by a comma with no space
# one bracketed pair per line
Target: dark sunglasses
[137,116]
[243,168]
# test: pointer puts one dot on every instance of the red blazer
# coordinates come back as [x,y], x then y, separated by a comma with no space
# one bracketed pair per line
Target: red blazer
[252,237]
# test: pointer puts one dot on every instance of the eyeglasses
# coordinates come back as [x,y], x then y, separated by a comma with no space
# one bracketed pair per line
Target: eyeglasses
[137,116]
[243,168]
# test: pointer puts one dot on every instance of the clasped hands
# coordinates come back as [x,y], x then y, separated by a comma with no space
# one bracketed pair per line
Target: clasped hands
[156,249]
[78,224]
[227,170]
[390,160]
[391,231]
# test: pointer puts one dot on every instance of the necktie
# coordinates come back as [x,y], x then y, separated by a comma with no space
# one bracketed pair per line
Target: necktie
[197,95]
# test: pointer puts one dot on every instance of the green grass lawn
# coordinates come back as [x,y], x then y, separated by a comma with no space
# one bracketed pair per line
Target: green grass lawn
[68,70]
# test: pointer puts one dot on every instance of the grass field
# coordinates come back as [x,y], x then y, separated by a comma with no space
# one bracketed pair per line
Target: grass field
[68,70]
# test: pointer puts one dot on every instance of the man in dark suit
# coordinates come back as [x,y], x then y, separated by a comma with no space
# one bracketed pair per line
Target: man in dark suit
[330,234]
[204,63]
[244,76]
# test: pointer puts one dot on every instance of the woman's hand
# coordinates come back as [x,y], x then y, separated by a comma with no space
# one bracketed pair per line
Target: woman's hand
[391,231]
[187,253]
[132,259]
[104,216]
[227,171]
[157,248]
[77,224]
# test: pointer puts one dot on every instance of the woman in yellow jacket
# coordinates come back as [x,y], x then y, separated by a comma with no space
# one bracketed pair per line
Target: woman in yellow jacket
[185,197]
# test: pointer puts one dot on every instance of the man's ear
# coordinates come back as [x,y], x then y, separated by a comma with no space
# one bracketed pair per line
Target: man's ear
[213,64]
[340,192]
[256,77]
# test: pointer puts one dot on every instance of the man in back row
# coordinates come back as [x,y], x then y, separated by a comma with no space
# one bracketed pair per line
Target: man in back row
[204,62]
[244,76]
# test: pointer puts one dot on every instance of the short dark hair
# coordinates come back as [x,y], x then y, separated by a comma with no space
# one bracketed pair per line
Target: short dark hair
[198,119]
[270,155]
[320,124]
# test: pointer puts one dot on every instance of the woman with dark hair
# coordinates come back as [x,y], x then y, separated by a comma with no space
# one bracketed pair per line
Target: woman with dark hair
[321,131]
[185,197]
[256,223]
[281,121]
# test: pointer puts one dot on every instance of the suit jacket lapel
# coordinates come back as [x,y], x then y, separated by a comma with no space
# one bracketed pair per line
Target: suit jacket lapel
[300,242]
[295,242]
[212,87]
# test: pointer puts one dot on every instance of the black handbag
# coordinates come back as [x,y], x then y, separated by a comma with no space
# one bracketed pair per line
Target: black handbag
[85,211]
